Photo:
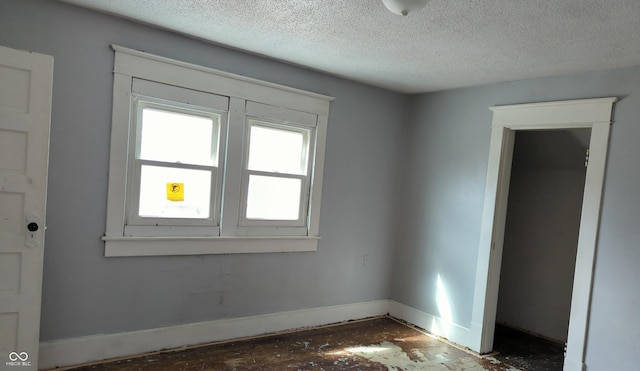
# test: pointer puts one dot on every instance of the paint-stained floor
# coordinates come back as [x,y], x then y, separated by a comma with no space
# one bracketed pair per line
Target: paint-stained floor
[375,344]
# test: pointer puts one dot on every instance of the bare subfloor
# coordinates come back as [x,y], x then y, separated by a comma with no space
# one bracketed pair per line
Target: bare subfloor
[526,351]
[375,344]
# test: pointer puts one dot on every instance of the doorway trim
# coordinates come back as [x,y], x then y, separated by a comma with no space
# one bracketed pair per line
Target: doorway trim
[594,114]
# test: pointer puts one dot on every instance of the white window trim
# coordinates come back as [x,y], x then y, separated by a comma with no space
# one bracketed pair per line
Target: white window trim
[295,227]
[177,99]
[131,64]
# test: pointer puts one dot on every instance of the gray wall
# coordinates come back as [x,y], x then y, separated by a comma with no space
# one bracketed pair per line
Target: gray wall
[85,293]
[541,232]
[448,146]
[441,152]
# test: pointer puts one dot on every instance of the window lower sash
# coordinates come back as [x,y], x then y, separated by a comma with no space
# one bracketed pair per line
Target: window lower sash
[170,231]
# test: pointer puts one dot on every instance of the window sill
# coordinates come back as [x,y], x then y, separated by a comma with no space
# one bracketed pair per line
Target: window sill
[163,246]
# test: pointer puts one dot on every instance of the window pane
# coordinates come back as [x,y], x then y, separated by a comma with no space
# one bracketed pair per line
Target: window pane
[273,198]
[178,137]
[157,200]
[277,150]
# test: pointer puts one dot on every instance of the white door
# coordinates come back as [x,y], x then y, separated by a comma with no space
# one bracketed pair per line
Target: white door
[25,107]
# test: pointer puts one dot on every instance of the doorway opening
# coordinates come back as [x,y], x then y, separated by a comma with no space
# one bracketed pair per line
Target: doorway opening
[548,174]
[593,114]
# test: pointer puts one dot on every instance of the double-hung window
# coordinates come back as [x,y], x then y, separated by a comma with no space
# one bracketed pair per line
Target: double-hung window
[206,162]
[276,170]
[174,155]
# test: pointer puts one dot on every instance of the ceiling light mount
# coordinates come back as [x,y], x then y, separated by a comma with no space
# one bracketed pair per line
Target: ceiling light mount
[404,7]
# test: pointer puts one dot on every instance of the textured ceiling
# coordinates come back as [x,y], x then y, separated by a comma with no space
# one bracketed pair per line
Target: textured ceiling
[448,44]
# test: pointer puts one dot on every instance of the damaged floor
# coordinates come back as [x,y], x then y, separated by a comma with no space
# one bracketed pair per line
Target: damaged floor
[374,344]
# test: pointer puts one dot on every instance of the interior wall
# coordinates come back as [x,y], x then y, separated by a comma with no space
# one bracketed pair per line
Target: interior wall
[85,293]
[541,231]
[441,154]
[447,148]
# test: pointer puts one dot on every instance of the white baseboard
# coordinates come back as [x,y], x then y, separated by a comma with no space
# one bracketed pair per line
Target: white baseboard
[72,351]
[435,325]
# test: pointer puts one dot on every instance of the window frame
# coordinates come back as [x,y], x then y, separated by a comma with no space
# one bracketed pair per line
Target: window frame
[243,94]
[173,99]
[247,226]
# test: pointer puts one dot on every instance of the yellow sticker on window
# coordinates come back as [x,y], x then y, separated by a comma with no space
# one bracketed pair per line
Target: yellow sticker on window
[175,191]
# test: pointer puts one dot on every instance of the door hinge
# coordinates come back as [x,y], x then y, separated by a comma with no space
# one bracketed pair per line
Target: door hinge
[586,159]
